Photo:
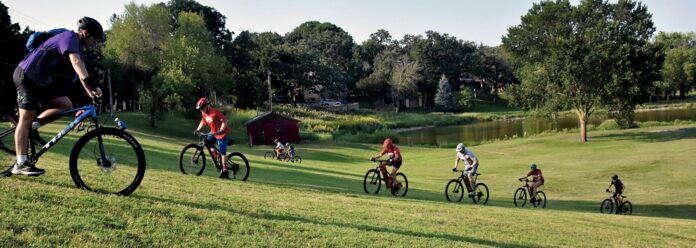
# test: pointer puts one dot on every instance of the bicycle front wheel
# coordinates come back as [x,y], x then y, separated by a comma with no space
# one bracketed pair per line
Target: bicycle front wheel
[626,208]
[297,159]
[520,197]
[607,206]
[119,170]
[540,199]
[480,194]
[372,182]
[192,160]
[454,191]
[400,187]
[239,165]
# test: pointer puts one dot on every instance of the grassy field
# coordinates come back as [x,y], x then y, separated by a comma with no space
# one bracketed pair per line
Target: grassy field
[320,203]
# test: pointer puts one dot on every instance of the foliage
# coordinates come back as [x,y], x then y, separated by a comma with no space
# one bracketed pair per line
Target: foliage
[466,98]
[444,99]
[405,74]
[679,70]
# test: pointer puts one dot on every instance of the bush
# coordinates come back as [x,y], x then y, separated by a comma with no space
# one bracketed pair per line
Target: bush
[466,98]
[609,124]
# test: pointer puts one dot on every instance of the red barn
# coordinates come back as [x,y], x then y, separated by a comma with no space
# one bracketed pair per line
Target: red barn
[263,129]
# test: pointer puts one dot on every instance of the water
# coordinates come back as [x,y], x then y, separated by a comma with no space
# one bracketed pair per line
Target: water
[502,129]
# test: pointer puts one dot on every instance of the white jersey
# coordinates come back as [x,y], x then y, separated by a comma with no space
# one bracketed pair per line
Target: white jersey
[464,155]
[280,145]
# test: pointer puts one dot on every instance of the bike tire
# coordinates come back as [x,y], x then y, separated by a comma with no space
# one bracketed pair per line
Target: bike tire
[520,197]
[454,191]
[480,194]
[626,208]
[372,182]
[192,160]
[269,155]
[540,199]
[239,165]
[402,185]
[130,166]
[297,159]
[607,206]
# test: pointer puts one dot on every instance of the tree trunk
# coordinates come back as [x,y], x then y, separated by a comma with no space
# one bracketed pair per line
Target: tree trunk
[582,119]
[396,104]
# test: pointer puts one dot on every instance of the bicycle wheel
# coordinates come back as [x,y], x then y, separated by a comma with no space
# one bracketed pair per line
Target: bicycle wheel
[121,170]
[7,152]
[192,160]
[520,197]
[607,206]
[540,199]
[480,194]
[239,165]
[454,191]
[297,159]
[372,182]
[626,208]
[401,187]
[269,155]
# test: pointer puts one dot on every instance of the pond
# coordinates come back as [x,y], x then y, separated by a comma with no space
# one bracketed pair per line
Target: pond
[501,129]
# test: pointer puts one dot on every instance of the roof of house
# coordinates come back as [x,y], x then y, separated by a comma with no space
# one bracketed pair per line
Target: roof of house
[268,115]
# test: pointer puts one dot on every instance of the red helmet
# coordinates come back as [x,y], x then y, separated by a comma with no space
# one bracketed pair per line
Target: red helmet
[387,142]
[202,103]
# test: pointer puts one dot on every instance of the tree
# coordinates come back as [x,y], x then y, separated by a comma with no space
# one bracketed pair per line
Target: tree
[12,42]
[405,74]
[215,22]
[584,56]
[679,69]
[444,100]
[466,98]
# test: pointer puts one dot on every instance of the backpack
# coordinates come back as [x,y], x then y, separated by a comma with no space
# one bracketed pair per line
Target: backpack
[38,38]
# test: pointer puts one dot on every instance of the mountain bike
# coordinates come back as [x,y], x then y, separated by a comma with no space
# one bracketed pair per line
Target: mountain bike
[373,180]
[192,159]
[105,159]
[609,205]
[520,197]
[454,191]
[284,156]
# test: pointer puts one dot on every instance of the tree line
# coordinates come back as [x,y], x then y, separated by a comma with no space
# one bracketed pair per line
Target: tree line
[162,57]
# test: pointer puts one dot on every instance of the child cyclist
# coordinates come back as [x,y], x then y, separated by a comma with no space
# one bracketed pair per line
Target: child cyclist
[218,130]
[618,190]
[471,162]
[537,179]
[291,150]
[395,159]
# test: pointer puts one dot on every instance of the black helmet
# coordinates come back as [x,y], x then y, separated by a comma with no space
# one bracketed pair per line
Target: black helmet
[92,26]
[614,177]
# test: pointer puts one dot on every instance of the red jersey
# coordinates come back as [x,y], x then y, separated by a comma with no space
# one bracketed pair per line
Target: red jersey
[394,150]
[536,175]
[214,120]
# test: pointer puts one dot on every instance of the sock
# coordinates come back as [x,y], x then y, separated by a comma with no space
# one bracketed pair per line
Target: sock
[35,125]
[21,159]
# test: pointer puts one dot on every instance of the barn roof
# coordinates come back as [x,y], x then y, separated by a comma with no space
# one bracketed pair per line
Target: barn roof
[268,116]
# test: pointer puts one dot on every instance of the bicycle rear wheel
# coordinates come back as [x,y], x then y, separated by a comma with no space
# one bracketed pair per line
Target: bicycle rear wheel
[120,172]
[372,182]
[454,191]
[626,208]
[540,199]
[520,197]
[607,206]
[401,186]
[239,165]
[192,160]
[297,159]
[480,194]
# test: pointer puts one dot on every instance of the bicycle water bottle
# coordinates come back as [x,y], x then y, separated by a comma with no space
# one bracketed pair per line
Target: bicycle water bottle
[120,124]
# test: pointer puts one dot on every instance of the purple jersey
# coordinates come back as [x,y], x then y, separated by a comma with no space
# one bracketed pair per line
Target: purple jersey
[49,62]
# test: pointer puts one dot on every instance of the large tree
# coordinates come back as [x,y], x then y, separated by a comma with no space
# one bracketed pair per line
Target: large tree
[585,56]
[11,41]
[679,71]
[405,74]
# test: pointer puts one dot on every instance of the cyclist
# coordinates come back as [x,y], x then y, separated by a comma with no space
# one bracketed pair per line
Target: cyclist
[218,130]
[395,158]
[537,179]
[279,148]
[43,78]
[618,190]
[291,150]
[471,162]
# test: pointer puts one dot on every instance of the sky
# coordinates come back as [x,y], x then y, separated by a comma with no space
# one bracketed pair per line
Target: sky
[480,21]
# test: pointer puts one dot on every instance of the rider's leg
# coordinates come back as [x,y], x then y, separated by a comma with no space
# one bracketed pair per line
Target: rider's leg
[222,145]
[535,188]
[26,117]
[393,175]
[54,108]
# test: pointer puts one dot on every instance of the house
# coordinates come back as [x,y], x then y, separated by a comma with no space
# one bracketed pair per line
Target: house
[265,128]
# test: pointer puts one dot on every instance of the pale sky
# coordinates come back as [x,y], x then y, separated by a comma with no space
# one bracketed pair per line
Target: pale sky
[481,21]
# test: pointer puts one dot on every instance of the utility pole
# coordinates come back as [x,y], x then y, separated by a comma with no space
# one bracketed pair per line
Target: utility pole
[111,93]
[270,93]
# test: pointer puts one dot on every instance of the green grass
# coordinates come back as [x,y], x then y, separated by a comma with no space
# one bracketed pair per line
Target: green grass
[320,203]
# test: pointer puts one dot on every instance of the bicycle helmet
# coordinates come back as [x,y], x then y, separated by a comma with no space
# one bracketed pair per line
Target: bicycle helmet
[92,26]
[533,167]
[287,143]
[202,103]
[275,141]
[614,177]
[387,142]
[460,147]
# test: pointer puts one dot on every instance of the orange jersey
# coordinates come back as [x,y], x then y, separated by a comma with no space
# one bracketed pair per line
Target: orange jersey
[214,120]
[394,150]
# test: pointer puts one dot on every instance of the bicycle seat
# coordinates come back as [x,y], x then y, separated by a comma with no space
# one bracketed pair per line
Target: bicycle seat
[624,196]
[478,174]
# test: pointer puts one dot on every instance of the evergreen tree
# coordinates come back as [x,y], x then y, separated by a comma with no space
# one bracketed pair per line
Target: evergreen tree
[444,100]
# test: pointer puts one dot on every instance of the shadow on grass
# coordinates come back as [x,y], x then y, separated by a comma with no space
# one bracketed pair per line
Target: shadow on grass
[652,136]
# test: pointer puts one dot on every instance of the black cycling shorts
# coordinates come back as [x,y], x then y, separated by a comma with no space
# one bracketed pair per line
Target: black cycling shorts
[396,164]
[30,95]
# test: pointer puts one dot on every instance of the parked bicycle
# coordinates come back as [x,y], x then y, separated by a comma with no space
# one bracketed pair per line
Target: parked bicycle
[610,204]
[454,191]
[192,159]
[522,193]
[283,157]
[104,159]
[373,180]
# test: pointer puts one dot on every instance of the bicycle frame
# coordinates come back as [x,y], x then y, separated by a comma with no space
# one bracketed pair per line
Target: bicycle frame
[90,112]
[463,178]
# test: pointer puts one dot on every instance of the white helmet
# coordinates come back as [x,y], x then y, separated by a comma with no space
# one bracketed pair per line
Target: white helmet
[460,147]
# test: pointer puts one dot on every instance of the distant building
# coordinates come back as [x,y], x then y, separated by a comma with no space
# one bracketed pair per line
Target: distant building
[265,128]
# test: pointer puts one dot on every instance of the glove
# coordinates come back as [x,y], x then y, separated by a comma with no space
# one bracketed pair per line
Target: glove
[372,159]
[196,132]
[91,82]
[454,169]
[468,169]
[218,132]
[607,190]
